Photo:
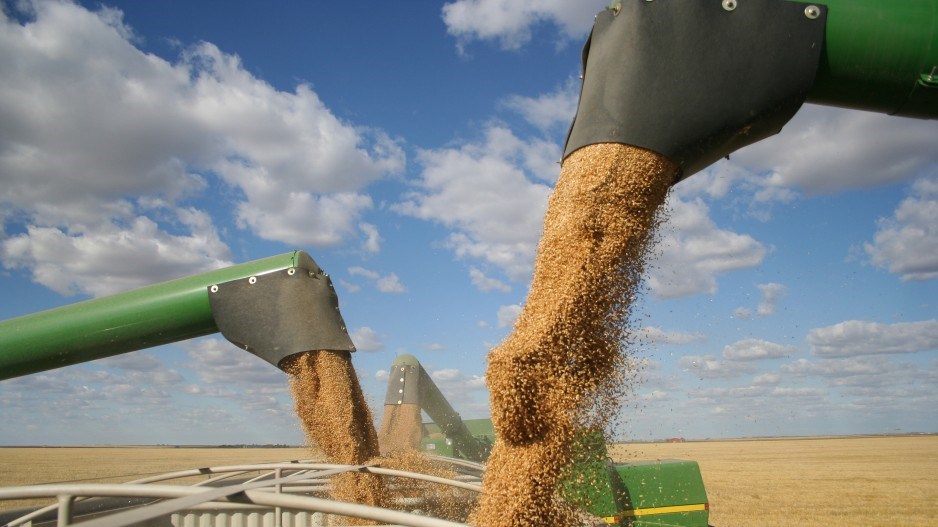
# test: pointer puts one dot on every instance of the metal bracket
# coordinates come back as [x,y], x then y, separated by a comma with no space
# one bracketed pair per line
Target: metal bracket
[281,313]
[697,79]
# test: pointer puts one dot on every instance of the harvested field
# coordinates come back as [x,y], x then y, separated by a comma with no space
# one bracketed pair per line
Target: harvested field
[829,482]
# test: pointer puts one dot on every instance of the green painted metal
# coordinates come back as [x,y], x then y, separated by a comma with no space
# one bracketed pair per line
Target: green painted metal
[880,56]
[435,441]
[590,483]
[432,401]
[103,327]
[652,490]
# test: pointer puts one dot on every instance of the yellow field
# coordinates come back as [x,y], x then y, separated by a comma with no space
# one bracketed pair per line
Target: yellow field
[829,482]
[30,466]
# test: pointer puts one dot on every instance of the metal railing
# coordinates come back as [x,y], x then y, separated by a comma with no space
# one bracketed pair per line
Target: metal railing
[275,495]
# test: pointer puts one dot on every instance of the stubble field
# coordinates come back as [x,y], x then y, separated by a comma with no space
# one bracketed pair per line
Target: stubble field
[829,482]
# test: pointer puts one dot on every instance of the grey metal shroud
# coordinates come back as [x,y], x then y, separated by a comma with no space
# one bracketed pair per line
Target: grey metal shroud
[695,79]
[281,313]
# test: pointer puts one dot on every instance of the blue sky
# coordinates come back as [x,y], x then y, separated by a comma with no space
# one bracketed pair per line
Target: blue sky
[410,147]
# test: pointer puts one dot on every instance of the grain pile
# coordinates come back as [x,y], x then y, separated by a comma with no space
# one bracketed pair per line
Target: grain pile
[556,372]
[401,428]
[335,416]
[446,502]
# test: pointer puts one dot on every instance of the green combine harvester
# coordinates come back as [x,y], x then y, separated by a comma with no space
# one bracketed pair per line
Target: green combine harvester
[694,80]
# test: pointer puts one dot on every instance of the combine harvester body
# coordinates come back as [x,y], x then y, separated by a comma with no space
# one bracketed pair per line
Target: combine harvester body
[694,80]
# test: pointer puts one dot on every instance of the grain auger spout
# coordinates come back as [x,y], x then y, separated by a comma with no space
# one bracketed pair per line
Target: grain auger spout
[273,307]
[695,80]
[411,388]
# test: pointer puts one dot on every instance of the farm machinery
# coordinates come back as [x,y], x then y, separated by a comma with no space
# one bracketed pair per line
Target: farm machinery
[693,80]
[274,308]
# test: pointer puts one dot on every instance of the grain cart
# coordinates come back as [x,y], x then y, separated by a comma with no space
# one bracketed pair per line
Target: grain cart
[693,80]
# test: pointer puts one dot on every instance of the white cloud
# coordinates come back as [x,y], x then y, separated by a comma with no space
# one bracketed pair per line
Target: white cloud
[372,242]
[827,149]
[857,337]
[389,283]
[485,283]
[366,339]
[88,120]
[510,21]
[218,362]
[656,335]
[771,294]
[755,349]
[382,376]
[549,110]
[485,193]
[907,243]
[832,368]
[742,313]
[361,271]
[709,367]
[456,385]
[446,374]
[507,315]
[693,250]
[333,215]
[767,378]
[113,257]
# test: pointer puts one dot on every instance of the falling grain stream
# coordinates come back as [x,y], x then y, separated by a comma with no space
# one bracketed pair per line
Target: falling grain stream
[557,372]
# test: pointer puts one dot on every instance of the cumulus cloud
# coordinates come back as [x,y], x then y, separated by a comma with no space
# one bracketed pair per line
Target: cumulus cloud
[907,243]
[372,242]
[767,378]
[510,21]
[709,367]
[456,385]
[485,283]
[857,337]
[656,335]
[693,250]
[488,194]
[870,377]
[112,257]
[388,283]
[550,110]
[507,315]
[833,368]
[755,349]
[218,362]
[771,293]
[93,129]
[827,149]
[366,339]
